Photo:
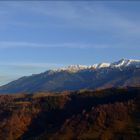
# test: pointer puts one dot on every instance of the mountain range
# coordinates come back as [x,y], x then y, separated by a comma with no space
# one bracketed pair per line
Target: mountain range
[125,72]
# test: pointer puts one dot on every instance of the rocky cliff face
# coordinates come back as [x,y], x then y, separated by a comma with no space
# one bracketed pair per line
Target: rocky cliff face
[104,115]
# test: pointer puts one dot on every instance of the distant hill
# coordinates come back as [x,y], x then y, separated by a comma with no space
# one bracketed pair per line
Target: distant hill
[125,72]
[109,114]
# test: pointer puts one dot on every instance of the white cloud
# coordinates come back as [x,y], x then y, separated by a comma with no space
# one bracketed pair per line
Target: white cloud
[89,15]
[7,44]
[84,15]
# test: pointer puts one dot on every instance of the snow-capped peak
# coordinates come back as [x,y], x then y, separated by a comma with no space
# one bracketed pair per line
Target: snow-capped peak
[75,67]
[126,63]
[119,64]
[103,65]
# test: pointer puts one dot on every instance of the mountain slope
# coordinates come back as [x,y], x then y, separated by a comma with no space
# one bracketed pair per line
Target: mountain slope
[109,114]
[122,73]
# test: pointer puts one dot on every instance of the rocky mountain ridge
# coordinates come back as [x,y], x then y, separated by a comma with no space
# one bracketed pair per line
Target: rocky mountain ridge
[125,72]
[119,64]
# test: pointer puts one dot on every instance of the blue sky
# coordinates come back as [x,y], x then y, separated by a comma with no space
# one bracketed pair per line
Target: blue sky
[36,36]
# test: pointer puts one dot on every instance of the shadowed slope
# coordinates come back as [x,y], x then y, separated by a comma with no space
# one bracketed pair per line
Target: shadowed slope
[104,114]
